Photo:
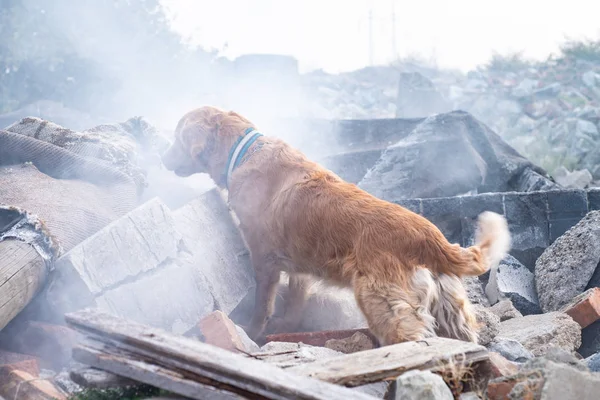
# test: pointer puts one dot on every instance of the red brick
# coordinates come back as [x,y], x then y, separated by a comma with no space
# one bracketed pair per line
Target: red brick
[585,308]
[499,390]
[500,366]
[15,384]
[220,331]
[317,338]
[23,362]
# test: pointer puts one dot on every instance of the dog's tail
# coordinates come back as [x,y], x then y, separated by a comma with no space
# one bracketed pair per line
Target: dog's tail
[492,243]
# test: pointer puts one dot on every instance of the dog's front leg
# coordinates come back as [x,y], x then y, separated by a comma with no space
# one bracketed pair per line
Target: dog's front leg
[267,279]
[295,303]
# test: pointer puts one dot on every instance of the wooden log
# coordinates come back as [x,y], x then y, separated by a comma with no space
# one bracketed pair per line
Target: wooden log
[186,366]
[388,362]
[22,274]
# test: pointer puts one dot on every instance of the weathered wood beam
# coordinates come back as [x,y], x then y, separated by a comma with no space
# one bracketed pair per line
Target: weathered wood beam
[388,362]
[23,273]
[186,366]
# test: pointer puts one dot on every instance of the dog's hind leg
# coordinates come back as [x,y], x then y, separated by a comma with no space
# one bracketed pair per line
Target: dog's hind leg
[395,313]
[453,310]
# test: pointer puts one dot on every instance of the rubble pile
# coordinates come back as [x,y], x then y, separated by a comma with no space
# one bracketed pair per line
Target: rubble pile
[153,301]
[549,111]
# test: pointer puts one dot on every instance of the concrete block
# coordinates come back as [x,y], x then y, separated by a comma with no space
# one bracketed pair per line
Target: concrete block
[420,385]
[538,333]
[528,223]
[512,281]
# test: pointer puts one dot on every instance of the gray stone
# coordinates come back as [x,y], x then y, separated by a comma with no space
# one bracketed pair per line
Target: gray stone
[565,268]
[510,349]
[563,382]
[446,155]
[475,292]
[511,280]
[378,390]
[489,324]
[421,385]
[576,179]
[418,97]
[505,309]
[538,333]
[593,362]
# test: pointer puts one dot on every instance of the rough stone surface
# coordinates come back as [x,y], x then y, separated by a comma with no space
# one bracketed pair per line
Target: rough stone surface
[421,385]
[538,333]
[512,280]
[510,349]
[565,268]
[505,309]
[447,155]
[376,389]
[489,324]
[357,342]
[475,291]
[590,340]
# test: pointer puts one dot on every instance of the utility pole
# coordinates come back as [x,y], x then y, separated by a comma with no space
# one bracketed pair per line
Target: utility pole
[371,35]
[394,44]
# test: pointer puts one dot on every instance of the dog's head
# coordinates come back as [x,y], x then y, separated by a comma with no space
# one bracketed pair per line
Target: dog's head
[203,139]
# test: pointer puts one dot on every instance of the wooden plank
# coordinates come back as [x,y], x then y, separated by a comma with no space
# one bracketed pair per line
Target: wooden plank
[196,361]
[22,274]
[387,362]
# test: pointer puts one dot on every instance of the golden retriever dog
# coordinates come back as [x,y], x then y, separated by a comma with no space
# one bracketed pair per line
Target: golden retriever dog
[301,218]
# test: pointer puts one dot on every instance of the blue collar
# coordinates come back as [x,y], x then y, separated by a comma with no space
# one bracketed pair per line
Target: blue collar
[238,150]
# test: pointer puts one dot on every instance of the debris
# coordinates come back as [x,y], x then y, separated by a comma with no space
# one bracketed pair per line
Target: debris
[16,384]
[357,342]
[513,281]
[220,331]
[421,385]
[575,180]
[593,362]
[565,268]
[186,366]
[286,355]
[489,324]
[93,378]
[510,349]
[540,332]
[585,308]
[505,310]
[418,97]
[500,366]
[22,362]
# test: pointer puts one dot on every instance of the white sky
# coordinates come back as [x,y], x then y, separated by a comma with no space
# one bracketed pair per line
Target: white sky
[334,34]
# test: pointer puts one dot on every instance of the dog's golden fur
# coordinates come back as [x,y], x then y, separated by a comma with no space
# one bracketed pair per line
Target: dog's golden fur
[299,217]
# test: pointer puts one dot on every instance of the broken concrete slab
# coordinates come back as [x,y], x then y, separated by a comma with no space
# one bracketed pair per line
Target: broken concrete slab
[217,247]
[538,333]
[565,268]
[420,385]
[505,309]
[513,281]
[510,349]
[585,308]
